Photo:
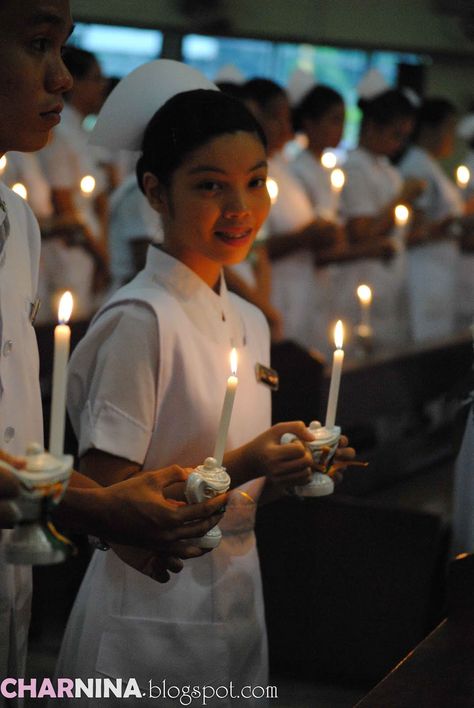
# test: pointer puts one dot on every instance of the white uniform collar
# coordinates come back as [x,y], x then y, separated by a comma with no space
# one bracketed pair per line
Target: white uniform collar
[212,312]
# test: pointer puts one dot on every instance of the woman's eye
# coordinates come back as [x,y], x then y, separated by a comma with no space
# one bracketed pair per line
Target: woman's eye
[41,44]
[208,186]
[258,182]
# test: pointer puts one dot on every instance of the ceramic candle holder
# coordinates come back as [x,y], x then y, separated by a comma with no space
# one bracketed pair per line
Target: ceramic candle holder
[323,449]
[42,486]
[207,481]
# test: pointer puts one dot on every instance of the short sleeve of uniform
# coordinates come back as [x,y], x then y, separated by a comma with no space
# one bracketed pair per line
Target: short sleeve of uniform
[112,384]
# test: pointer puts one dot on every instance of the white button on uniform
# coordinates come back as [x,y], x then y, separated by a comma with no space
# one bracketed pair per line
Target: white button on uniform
[9,434]
[7,347]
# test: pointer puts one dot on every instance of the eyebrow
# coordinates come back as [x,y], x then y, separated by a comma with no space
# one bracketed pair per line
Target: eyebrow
[49,18]
[211,168]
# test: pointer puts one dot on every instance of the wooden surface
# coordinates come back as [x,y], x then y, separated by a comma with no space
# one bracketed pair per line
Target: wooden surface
[440,671]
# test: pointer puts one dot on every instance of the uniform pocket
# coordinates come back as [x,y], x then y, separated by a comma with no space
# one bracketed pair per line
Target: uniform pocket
[183,653]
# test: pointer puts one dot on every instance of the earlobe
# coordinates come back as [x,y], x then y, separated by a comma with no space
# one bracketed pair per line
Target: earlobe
[155,192]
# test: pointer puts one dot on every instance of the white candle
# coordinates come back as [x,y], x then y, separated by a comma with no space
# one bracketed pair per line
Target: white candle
[20,189]
[337,361]
[401,215]
[462,176]
[364,293]
[87,185]
[62,337]
[272,189]
[337,183]
[328,159]
[231,388]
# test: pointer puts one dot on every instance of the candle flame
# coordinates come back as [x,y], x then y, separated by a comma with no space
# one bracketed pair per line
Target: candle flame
[463,175]
[337,179]
[328,160]
[87,184]
[3,163]
[402,214]
[20,189]
[233,361]
[339,334]
[272,189]
[364,293]
[65,307]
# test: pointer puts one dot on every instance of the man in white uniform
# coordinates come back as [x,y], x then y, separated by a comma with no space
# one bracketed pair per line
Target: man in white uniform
[33,78]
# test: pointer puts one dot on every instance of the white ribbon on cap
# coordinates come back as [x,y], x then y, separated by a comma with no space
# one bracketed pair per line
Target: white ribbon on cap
[299,84]
[371,85]
[466,127]
[136,98]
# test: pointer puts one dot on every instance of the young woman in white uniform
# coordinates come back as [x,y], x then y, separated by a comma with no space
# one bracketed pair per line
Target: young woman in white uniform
[295,234]
[66,160]
[372,189]
[434,267]
[147,384]
[320,117]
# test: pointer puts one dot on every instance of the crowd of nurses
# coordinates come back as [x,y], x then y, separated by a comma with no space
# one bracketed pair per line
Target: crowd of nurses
[322,239]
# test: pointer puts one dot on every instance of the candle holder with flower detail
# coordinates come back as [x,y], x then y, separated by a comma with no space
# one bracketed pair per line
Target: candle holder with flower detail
[43,481]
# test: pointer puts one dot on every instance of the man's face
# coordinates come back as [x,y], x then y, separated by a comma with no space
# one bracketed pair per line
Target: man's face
[32,74]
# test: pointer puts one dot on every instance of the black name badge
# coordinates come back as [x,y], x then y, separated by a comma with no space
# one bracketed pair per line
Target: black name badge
[267,376]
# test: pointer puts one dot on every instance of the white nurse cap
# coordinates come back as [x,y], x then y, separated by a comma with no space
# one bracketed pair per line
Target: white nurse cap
[466,127]
[229,72]
[134,101]
[372,85]
[299,84]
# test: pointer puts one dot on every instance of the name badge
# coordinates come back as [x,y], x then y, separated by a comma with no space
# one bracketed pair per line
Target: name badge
[267,376]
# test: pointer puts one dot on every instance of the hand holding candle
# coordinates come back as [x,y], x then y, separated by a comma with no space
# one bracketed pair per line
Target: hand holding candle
[62,337]
[231,388]
[337,362]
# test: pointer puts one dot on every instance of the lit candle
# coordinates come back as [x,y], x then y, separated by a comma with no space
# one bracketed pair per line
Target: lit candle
[272,189]
[462,176]
[337,183]
[329,160]
[401,216]
[62,336]
[337,362]
[337,180]
[231,388]
[364,293]
[87,185]
[3,163]
[20,189]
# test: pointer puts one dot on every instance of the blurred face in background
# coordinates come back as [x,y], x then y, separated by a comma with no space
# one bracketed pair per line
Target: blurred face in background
[326,131]
[389,138]
[276,121]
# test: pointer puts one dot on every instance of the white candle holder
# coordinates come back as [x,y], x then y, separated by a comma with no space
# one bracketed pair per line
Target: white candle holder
[42,486]
[323,449]
[205,482]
